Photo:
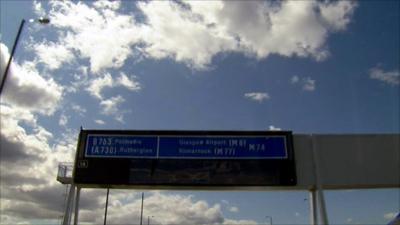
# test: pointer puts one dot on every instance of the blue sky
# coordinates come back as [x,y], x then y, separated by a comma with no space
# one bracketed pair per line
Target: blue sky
[304,66]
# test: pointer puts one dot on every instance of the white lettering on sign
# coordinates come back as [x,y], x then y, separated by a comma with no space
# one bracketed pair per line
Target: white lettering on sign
[128,141]
[237,143]
[191,142]
[107,150]
[215,142]
[257,147]
[102,141]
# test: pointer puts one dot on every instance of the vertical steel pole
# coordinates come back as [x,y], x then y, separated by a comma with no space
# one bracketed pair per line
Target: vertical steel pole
[68,209]
[141,211]
[105,211]
[3,81]
[313,209]
[320,193]
[76,213]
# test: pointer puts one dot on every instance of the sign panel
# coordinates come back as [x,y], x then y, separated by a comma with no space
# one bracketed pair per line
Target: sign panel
[196,147]
[184,158]
[121,146]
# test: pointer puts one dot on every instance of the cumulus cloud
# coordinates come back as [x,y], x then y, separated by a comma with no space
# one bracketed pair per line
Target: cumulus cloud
[194,32]
[78,109]
[257,96]
[337,14]
[306,83]
[98,84]
[295,79]
[124,208]
[28,166]
[389,215]
[98,33]
[110,107]
[173,31]
[389,77]
[27,89]
[124,81]
[38,8]
[101,4]
[51,54]
[100,122]
[63,120]
[234,209]
[272,128]
[185,210]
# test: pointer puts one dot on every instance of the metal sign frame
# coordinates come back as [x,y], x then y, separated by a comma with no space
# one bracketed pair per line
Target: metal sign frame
[265,171]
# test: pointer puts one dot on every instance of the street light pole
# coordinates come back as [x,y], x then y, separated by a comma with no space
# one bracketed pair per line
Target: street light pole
[270,219]
[148,219]
[3,81]
[141,211]
[41,20]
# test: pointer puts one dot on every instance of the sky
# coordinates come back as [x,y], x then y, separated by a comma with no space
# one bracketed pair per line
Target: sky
[328,67]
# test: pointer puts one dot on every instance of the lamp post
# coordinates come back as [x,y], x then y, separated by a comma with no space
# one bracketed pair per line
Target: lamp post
[148,219]
[270,219]
[141,210]
[40,20]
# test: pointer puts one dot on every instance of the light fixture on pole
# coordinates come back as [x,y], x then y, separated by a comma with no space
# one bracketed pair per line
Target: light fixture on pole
[41,20]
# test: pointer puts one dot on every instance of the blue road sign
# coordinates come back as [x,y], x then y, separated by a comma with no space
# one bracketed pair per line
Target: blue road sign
[121,146]
[223,147]
[197,147]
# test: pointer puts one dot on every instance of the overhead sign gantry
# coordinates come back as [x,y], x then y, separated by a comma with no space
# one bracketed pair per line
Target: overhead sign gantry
[153,159]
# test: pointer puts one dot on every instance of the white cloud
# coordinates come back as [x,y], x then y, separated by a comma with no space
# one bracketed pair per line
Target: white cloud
[337,14]
[100,122]
[78,109]
[389,215]
[107,4]
[124,81]
[173,31]
[100,34]
[257,96]
[38,9]
[63,120]
[349,220]
[239,222]
[194,32]
[295,79]
[185,210]
[234,209]
[297,214]
[306,83]
[98,84]
[272,127]
[111,107]
[51,54]
[124,207]
[286,28]
[27,89]
[389,77]
[28,166]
